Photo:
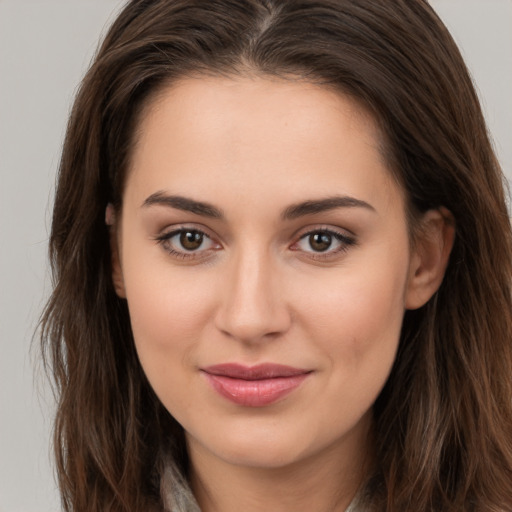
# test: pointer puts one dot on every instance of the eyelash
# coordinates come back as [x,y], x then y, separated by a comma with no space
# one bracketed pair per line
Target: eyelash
[344,241]
[165,241]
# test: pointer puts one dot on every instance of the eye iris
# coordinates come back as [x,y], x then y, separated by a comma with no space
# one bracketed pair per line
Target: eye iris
[191,240]
[320,241]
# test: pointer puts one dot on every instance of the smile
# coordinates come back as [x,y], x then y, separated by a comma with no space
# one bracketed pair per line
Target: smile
[254,386]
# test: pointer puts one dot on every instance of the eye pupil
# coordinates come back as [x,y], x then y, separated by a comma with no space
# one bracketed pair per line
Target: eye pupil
[320,241]
[191,240]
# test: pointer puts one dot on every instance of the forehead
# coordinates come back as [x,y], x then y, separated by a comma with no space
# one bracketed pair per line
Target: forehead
[224,136]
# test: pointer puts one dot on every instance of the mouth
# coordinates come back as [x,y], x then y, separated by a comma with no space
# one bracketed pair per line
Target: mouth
[254,386]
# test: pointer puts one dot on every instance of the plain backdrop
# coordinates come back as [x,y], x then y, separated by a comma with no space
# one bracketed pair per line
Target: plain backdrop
[45,47]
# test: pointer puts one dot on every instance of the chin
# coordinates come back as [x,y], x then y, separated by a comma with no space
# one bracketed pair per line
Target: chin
[269,446]
[257,456]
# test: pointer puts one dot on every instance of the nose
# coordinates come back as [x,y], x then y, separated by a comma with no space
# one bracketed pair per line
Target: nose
[253,307]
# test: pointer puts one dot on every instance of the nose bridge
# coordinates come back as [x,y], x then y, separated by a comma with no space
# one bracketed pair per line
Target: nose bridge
[253,305]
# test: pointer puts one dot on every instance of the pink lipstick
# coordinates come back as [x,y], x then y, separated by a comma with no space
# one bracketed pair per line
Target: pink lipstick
[254,386]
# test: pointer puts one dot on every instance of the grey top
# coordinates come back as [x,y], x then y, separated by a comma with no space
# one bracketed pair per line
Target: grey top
[177,495]
[354,506]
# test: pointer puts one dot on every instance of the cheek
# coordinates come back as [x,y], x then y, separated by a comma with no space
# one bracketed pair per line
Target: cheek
[168,315]
[168,311]
[355,318]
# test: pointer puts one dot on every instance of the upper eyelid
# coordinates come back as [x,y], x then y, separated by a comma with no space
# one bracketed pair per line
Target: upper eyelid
[341,237]
[336,230]
[169,231]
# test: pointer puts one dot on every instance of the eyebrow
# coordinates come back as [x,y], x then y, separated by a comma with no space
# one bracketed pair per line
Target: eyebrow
[185,204]
[323,205]
[293,211]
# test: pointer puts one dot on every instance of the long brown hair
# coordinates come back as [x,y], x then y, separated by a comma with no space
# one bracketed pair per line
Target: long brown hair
[443,423]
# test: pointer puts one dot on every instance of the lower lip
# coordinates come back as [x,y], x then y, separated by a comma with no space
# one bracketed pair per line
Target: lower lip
[255,393]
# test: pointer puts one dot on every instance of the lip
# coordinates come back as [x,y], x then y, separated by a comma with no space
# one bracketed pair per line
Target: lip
[254,386]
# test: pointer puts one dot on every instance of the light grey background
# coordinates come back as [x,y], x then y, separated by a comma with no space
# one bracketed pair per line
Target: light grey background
[45,46]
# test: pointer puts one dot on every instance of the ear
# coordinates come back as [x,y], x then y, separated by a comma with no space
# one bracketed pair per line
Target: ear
[117,271]
[429,257]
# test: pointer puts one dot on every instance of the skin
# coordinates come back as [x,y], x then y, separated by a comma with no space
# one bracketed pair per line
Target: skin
[257,291]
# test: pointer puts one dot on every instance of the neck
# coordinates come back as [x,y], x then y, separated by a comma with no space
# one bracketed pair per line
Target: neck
[324,482]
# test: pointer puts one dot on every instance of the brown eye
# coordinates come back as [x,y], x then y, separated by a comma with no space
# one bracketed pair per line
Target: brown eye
[319,241]
[323,243]
[187,243]
[191,240]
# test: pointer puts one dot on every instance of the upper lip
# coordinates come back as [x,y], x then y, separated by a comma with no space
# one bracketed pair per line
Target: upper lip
[258,372]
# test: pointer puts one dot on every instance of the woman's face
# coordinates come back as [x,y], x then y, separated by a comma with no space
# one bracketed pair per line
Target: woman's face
[264,254]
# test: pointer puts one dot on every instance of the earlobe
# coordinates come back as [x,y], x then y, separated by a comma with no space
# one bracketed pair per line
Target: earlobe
[430,257]
[117,272]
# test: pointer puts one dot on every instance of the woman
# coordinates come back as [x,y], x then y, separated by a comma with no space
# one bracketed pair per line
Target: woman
[282,266]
